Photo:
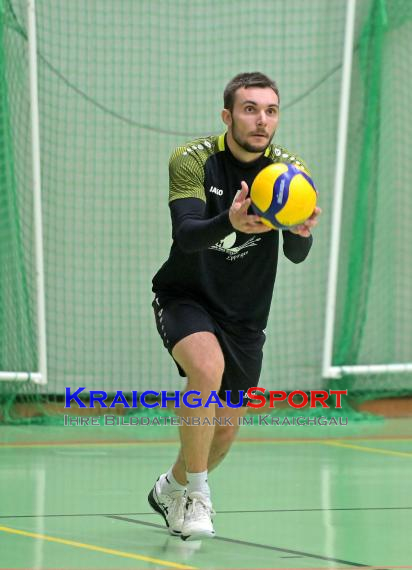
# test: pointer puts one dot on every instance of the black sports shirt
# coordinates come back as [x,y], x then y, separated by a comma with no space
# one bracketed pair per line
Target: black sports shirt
[231,273]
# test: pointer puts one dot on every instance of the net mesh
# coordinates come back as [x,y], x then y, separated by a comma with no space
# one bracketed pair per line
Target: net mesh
[123,83]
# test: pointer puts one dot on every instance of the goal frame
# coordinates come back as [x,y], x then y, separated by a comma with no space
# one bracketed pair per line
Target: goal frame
[330,371]
[39,376]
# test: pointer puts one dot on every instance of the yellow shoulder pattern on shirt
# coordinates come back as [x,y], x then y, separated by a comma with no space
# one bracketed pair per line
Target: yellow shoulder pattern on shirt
[186,168]
[280,154]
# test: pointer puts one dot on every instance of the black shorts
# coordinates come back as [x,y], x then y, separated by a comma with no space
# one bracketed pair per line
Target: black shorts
[242,348]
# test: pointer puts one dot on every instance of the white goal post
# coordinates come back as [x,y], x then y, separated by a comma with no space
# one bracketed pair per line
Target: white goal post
[40,376]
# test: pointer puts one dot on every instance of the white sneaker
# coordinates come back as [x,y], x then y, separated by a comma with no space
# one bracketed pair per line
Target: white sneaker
[198,517]
[171,506]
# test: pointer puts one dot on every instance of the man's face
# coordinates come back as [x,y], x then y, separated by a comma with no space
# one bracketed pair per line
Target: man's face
[254,119]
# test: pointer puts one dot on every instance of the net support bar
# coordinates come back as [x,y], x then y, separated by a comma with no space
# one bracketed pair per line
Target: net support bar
[339,371]
[21,377]
[37,201]
[338,188]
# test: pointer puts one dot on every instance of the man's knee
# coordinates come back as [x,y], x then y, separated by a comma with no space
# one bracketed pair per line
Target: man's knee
[202,359]
[225,435]
[207,375]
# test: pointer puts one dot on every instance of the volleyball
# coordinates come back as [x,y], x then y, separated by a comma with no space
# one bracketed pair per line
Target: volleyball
[283,195]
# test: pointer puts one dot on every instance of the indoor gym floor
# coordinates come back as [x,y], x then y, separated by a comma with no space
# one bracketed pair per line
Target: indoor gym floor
[286,497]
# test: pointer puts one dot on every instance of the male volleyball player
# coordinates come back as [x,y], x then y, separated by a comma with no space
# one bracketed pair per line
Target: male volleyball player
[213,294]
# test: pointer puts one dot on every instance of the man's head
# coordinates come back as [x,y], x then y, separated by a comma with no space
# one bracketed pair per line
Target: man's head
[251,113]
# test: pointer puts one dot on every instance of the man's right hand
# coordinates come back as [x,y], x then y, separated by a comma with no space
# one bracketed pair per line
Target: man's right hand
[239,218]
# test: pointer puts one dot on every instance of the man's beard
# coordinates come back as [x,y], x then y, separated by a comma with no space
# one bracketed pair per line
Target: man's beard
[247,146]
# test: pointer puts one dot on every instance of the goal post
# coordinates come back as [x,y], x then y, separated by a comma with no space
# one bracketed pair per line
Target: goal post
[39,376]
[336,221]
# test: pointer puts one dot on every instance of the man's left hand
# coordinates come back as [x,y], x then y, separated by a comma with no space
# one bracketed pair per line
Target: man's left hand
[304,229]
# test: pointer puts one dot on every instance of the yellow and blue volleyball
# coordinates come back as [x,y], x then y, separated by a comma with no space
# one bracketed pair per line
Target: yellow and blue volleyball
[283,195]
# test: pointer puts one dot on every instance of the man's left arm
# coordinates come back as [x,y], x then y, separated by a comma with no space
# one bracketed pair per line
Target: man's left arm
[298,240]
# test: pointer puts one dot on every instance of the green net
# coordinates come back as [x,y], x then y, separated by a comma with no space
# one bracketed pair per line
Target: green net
[123,83]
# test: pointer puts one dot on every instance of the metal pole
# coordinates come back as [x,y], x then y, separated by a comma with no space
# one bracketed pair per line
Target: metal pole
[395,368]
[21,377]
[338,191]
[37,202]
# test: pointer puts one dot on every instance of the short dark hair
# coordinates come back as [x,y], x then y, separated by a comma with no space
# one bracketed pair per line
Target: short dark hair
[248,79]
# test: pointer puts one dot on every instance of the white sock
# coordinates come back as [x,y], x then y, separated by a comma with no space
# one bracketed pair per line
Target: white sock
[168,483]
[197,482]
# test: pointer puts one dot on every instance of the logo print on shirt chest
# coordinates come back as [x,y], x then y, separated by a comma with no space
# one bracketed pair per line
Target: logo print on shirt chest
[227,246]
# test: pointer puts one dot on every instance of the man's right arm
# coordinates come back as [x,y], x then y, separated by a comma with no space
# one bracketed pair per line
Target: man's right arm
[191,231]
[187,202]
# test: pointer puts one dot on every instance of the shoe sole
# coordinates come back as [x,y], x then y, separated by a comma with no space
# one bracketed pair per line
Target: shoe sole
[198,535]
[158,509]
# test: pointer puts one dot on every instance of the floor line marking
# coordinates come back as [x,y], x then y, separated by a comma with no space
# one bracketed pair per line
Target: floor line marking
[221,512]
[95,548]
[381,567]
[255,545]
[122,443]
[367,449]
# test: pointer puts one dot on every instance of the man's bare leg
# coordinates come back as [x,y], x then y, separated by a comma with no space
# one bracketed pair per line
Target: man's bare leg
[223,437]
[201,358]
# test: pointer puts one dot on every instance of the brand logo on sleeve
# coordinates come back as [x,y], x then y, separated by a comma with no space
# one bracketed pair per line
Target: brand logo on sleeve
[216,191]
